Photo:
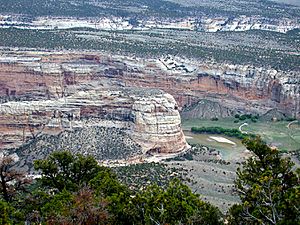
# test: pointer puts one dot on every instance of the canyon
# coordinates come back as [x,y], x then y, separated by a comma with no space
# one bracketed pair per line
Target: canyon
[128,82]
[49,93]
[150,117]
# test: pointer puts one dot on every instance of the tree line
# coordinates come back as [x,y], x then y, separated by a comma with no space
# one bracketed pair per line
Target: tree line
[220,130]
[74,189]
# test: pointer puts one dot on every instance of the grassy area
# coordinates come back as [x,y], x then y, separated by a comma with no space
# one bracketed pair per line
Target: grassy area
[274,133]
[225,123]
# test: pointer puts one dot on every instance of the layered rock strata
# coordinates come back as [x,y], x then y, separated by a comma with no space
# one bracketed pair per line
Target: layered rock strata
[47,75]
[49,92]
[150,118]
[206,24]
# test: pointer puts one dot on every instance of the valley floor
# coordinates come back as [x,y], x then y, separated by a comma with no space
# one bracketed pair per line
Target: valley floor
[281,134]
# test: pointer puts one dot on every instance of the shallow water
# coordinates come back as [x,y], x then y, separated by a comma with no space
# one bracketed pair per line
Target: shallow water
[228,151]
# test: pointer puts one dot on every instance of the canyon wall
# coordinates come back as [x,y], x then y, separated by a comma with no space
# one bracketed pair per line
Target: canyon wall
[48,75]
[85,85]
[207,24]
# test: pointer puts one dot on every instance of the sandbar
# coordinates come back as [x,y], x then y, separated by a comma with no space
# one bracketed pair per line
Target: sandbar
[222,140]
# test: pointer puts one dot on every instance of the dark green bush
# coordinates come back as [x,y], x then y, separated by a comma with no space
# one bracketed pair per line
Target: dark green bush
[219,130]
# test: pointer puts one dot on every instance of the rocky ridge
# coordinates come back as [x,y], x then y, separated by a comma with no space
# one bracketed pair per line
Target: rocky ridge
[206,109]
[103,143]
[203,23]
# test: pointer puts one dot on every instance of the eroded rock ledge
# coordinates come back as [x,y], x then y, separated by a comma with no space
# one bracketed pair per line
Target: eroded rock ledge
[149,120]
[36,75]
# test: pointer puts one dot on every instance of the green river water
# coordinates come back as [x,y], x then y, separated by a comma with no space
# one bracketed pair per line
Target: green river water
[228,151]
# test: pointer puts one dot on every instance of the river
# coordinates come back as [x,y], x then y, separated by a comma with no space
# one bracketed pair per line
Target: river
[227,150]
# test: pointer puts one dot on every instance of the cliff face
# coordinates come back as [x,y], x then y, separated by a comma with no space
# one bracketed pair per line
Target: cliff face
[151,118]
[238,87]
[279,89]
[207,24]
[44,75]
[158,124]
[46,90]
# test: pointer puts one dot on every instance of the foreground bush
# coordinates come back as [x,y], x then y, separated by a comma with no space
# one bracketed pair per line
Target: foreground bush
[268,187]
[74,189]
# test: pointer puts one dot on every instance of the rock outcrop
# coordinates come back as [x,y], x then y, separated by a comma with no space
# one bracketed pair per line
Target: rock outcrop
[206,109]
[49,92]
[48,75]
[150,118]
[206,24]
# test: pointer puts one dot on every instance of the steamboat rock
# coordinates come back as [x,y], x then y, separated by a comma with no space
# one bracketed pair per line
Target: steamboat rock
[150,118]
[95,85]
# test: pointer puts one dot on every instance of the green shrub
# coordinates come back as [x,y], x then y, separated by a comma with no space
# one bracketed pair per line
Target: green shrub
[290,119]
[219,130]
[243,117]
[253,120]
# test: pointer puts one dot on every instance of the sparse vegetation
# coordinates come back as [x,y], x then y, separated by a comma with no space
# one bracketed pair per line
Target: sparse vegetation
[202,46]
[146,174]
[78,8]
[143,8]
[73,189]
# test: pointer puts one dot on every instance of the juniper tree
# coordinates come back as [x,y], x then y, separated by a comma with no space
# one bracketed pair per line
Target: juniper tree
[268,187]
[11,179]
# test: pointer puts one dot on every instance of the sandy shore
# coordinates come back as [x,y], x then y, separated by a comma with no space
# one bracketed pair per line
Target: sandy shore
[188,137]
[222,140]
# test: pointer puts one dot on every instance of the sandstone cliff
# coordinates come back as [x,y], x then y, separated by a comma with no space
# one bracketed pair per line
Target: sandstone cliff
[48,75]
[49,92]
[150,119]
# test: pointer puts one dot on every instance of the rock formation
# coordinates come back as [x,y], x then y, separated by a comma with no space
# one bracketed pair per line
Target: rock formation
[32,75]
[206,24]
[47,75]
[150,118]
[206,109]
[49,92]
